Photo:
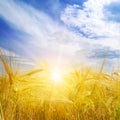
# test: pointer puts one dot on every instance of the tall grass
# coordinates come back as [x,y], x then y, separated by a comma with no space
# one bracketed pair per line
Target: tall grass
[85,95]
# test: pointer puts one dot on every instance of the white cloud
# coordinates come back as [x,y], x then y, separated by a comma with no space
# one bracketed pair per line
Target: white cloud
[26,18]
[91,19]
[49,39]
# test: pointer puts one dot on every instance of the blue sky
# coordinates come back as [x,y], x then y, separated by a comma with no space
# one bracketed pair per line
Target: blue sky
[61,31]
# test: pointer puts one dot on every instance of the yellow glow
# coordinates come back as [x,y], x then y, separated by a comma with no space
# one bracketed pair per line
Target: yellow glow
[56,77]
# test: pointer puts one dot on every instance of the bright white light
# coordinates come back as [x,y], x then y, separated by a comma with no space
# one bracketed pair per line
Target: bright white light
[56,77]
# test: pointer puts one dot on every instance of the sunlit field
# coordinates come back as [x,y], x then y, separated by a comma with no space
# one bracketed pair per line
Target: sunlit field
[46,94]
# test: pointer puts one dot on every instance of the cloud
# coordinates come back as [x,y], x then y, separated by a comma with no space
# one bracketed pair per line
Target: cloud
[45,38]
[98,22]
[51,7]
[91,19]
[103,52]
[25,18]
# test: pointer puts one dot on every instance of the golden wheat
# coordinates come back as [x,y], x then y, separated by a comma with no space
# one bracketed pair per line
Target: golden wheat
[85,95]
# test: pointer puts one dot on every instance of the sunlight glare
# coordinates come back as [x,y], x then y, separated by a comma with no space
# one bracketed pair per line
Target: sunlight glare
[56,77]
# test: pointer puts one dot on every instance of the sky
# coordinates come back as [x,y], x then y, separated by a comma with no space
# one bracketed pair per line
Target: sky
[61,31]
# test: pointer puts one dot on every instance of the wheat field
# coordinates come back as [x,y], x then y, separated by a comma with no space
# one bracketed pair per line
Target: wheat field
[84,94]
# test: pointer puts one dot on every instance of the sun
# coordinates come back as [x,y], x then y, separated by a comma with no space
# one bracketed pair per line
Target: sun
[56,77]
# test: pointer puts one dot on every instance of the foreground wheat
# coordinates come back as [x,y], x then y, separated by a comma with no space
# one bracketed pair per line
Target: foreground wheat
[85,95]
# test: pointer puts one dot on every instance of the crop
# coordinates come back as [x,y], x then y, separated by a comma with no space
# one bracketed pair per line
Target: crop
[83,94]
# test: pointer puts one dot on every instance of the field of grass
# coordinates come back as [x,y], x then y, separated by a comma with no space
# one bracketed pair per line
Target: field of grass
[83,94]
